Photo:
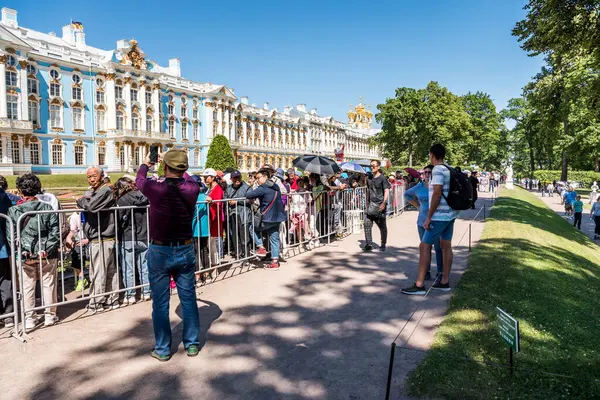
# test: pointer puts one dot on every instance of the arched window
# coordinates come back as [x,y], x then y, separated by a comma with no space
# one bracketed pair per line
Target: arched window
[101,150]
[122,156]
[79,153]
[171,128]
[148,95]
[56,149]
[77,113]
[120,120]
[135,121]
[34,111]
[55,115]
[170,109]
[32,86]
[149,122]
[99,91]
[16,150]
[34,151]
[196,128]
[31,70]
[11,78]
[183,111]
[196,158]
[184,126]
[119,89]
[134,92]
[76,90]
[100,120]
[12,104]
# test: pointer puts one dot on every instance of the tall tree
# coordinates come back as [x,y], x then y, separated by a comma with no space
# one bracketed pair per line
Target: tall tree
[484,135]
[220,156]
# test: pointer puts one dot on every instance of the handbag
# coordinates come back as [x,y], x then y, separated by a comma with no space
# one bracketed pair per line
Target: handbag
[259,225]
[374,210]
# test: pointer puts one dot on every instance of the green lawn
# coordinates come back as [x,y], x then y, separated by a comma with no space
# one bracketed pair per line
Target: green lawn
[537,267]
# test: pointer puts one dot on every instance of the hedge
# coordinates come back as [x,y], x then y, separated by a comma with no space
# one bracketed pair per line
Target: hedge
[586,178]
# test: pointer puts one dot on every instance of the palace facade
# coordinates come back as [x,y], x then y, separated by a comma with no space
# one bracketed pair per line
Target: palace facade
[65,105]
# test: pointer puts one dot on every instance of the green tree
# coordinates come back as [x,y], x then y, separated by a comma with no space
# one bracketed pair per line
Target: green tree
[484,146]
[220,155]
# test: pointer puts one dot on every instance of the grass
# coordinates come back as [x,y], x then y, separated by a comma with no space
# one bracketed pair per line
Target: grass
[537,267]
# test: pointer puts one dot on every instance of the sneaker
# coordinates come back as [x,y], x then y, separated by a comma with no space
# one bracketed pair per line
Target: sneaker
[414,289]
[113,306]
[146,297]
[368,248]
[261,251]
[441,286]
[382,247]
[9,322]
[428,276]
[50,319]
[160,358]
[272,266]
[95,308]
[192,351]
[32,322]
[129,301]
[82,284]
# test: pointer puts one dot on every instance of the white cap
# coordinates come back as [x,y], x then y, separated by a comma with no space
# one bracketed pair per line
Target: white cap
[209,172]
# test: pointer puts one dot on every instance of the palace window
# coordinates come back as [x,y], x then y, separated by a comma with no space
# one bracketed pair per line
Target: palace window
[32,86]
[55,116]
[31,70]
[100,118]
[34,152]
[120,120]
[148,123]
[12,106]
[101,149]
[11,61]
[196,132]
[184,131]
[135,121]
[57,153]
[170,109]
[171,128]
[100,96]
[16,152]
[133,92]
[34,112]
[148,95]
[77,118]
[183,100]
[76,93]
[136,156]
[54,74]
[183,111]
[55,89]
[195,113]
[122,156]
[99,83]
[196,161]
[170,98]
[76,79]
[118,90]
[78,151]
[11,78]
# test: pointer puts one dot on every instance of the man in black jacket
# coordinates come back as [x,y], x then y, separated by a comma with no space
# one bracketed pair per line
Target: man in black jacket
[100,230]
[238,216]
[474,181]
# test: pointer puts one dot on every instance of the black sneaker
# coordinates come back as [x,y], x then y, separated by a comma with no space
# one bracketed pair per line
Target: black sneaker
[441,286]
[428,276]
[414,289]
[368,248]
[382,247]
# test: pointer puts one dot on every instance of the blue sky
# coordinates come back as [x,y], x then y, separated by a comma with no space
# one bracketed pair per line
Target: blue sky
[322,53]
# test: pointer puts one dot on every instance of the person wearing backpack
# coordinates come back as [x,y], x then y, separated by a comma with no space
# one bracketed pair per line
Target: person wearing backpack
[449,191]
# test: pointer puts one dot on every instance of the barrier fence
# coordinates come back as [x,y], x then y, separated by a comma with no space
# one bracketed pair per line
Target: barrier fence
[57,254]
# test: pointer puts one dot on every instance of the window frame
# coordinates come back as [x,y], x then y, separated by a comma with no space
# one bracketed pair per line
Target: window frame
[12,112]
[100,93]
[76,89]
[59,150]
[35,151]
[35,119]
[33,83]
[55,86]
[184,133]
[149,120]
[101,151]
[10,82]
[122,124]
[76,153]
[16,148]
[171,128]
[80,126]
[100,120]
[58,112]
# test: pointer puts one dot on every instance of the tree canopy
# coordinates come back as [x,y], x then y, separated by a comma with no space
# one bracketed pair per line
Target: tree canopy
[220,156]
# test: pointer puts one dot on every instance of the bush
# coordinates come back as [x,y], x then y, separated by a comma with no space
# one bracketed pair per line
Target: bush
[220,156]
[586,178]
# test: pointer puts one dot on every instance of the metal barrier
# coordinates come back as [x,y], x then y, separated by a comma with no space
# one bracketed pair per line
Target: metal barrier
[8,267]
[225,235]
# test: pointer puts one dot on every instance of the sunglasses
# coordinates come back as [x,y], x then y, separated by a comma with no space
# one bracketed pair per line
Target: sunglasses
[374,165]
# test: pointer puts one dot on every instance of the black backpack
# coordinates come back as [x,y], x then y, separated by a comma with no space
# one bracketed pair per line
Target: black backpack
[460,196]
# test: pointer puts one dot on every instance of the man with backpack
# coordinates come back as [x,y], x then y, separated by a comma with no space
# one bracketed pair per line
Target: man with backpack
[449,191]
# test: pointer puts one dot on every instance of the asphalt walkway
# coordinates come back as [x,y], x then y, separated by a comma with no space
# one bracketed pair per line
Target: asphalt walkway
[319,328]
[587,224]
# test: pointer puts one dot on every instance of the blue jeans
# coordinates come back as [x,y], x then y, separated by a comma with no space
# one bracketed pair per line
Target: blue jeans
[273,232]
[179,262]
[439,259]
[130,252]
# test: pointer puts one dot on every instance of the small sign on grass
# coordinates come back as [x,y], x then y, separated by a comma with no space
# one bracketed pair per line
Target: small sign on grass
[509,329]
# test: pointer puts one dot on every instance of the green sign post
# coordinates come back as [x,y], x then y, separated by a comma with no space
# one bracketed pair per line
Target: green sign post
[508,326]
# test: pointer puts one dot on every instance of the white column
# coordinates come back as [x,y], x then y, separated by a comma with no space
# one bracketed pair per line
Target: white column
[142,97]
[226,125]
[297,138]
[3,109]
[221,125]
[111,105]
[244,138]
[276,131]
[209,108]
[23,85]
[156,126]
[127,96]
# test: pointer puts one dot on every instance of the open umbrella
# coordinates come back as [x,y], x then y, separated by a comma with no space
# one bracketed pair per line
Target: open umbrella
[316,164]
[413,172]
[352,167]
[363,163]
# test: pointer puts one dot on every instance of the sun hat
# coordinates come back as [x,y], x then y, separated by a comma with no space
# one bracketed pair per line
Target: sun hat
[209,172]
[176,159]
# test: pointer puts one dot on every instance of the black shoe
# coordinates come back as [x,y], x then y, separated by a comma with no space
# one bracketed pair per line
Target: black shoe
[368,248]
[414,289]
[441,286]
[382,247]
[428,276]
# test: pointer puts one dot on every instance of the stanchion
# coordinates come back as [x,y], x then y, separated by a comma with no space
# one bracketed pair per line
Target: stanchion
[391,368]
[484,211]
[469,237]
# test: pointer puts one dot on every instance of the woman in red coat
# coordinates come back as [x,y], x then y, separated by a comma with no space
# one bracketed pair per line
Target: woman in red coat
[215,215]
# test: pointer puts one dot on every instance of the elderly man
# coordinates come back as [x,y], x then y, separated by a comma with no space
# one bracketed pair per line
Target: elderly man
[171,250]
[100,230]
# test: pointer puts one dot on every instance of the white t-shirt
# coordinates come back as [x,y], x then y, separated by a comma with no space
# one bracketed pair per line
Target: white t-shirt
[441,176]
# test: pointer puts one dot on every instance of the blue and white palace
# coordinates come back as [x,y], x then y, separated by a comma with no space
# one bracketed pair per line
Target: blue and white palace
[65,105]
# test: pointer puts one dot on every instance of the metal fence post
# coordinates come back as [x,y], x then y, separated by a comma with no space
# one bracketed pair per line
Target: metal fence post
[469,237]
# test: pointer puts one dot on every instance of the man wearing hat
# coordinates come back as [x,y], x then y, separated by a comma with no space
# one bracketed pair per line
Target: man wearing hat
[238,216]
[171,250]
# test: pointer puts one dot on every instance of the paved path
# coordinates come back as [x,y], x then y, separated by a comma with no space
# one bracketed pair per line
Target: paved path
[587,225]
[320,328]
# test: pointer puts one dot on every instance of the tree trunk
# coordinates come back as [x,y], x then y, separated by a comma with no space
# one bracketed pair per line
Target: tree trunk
[596,164]
[563,173]
[410,154]
[531,160]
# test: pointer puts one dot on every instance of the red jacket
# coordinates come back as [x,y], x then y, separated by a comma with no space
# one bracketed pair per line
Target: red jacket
[216,211]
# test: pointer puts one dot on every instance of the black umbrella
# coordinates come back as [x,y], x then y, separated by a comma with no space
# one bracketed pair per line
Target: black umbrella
[363,163]
[316,164]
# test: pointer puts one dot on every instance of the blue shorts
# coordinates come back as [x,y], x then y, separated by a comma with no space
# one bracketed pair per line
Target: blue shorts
[439,230]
